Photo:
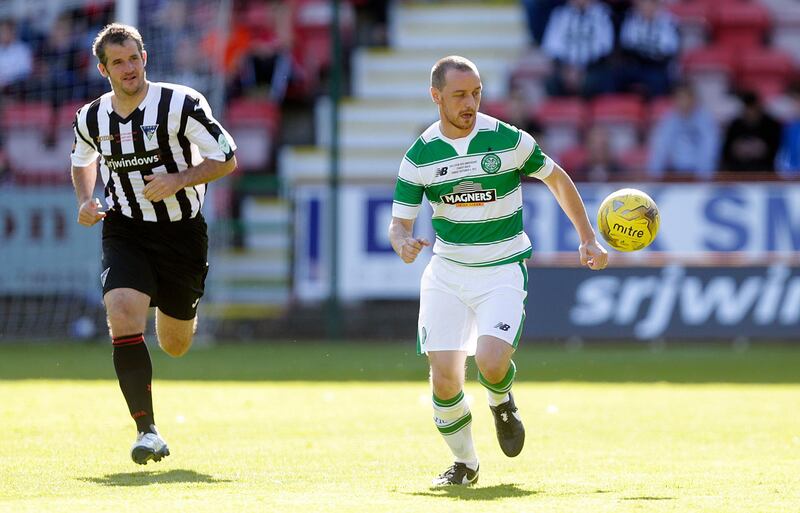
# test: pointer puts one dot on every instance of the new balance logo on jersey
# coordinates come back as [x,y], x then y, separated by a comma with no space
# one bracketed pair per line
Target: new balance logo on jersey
[441,171]
[469,194]
[502,326]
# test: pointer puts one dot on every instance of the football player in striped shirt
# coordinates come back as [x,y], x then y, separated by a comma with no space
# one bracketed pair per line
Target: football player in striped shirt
[472,300]
[157,145]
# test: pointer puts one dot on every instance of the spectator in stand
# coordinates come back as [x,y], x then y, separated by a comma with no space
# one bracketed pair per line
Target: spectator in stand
[166,27]
[751,140]
[788,160]
[373,21]
[87,21]
[649,42]
[685,142]
[579,38]
[601,165]
[537,14]
[266,68]
[189,68]
[62,65]
[519,113]
[16,60]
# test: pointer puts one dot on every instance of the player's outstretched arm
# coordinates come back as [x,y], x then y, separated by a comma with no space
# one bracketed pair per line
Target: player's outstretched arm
[592,254]
[403,242]
[83,180]
[164,185]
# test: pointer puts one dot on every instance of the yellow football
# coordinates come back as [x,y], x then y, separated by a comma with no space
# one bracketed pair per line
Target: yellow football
[628,220]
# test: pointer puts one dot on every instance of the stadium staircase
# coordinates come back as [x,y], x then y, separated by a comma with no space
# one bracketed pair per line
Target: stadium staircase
[390,103]
[251,279]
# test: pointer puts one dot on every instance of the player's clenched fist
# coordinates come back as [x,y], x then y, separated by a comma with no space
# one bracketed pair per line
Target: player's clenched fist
[162,186]
[89,212]
[411,247]
[593,255]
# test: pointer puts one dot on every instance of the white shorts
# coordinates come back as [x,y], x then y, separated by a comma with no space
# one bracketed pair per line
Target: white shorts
[458,304]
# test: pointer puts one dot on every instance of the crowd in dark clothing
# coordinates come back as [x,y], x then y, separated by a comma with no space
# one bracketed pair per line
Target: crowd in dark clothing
[597,48]
[603,47]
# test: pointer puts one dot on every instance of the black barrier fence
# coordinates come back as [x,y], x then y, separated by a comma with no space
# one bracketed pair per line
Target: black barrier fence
[673,302]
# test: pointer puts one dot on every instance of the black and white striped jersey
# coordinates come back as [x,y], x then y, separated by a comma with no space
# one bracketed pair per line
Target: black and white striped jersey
[171,130]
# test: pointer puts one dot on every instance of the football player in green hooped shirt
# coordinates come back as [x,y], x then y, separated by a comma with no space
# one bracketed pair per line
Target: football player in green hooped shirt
[472,300]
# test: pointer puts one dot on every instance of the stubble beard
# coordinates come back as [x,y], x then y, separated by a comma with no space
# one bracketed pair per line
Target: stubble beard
[140,83]
[458,123]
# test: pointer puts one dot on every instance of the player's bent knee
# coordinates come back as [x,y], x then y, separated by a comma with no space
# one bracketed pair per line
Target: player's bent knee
[445,388]
[175,346]
[447,392]
[493,370]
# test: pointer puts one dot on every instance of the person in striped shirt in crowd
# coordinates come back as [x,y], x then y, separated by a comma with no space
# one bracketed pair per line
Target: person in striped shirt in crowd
[579,39]
[649,41]
[158,146]
[469,166]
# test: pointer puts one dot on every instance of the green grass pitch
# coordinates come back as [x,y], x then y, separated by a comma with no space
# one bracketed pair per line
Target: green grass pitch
[347,428]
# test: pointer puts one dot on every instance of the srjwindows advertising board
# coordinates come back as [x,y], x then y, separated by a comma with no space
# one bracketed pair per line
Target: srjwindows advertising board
[710,272]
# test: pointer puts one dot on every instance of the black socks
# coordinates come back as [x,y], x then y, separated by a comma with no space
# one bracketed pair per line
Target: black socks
[135,373]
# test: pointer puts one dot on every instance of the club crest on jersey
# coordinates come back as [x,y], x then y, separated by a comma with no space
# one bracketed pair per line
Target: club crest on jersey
[469,194]
[490,163]
[149,131]
[223,144]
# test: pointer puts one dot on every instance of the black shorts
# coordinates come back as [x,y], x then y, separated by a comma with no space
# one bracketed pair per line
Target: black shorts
[166,261]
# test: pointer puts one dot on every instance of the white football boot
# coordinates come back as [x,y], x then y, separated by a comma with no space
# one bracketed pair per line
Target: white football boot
[149,446]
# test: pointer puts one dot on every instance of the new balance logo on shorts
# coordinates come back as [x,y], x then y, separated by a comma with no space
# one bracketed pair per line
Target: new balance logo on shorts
[502,326]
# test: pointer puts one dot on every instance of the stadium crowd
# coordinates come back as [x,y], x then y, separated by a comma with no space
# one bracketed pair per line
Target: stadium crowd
[271,51]
[662,90]
[615,89]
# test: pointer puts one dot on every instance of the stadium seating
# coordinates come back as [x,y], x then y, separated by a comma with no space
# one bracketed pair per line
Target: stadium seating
[634,160]
[766,71]
[529,74]
[496,108]
[34,155]
[65,114]
[711,69]
[622,115]
[564,120]
[709,59]
[739,24]
[574,158]
[312,49]
[31,115]
[657,109]
[253,124]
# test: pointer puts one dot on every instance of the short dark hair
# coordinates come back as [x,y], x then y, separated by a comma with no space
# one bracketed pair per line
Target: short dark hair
[115,33]
[445,64]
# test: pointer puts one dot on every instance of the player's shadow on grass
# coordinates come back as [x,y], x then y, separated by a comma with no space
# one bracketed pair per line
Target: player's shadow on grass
[153,477]
[477,493]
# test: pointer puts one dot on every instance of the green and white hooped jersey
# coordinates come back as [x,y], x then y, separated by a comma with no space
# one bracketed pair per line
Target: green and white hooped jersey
[473,184]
